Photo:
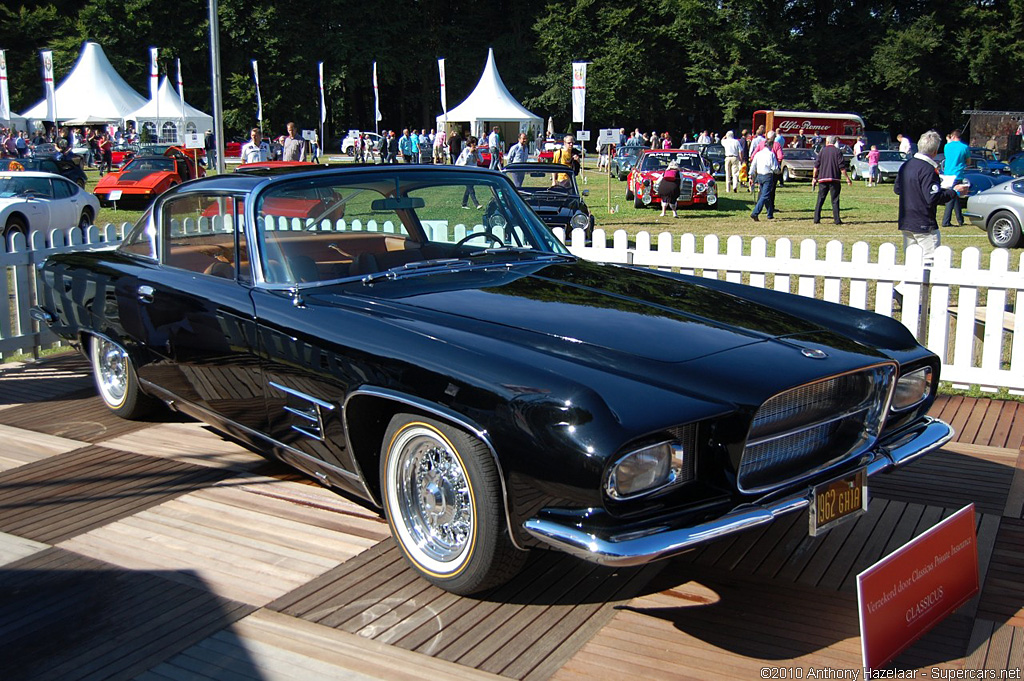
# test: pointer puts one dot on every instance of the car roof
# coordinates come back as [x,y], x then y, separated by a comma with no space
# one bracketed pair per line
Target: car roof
[29,173]
[245,181]
[672,151]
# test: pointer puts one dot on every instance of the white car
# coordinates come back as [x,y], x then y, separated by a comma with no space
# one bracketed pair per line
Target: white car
[372,140]
[43,201]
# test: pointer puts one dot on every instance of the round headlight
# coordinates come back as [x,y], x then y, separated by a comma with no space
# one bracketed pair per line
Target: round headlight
[579,221]
[912,389]
[648,469]
[702,187]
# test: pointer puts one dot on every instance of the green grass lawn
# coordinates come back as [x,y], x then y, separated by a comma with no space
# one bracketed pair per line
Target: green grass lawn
[868,214]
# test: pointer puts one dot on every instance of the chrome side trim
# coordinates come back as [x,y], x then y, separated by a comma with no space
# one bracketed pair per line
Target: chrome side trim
[660,542]
[446,414]
[313,415]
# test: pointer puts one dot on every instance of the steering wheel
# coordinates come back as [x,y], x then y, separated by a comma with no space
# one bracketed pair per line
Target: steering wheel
[486,234]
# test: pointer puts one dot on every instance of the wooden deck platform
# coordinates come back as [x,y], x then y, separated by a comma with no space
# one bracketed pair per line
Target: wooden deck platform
[161,550]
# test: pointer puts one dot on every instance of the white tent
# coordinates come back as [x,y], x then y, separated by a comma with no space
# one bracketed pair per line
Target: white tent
[490,102]
[164,113]
[92,91]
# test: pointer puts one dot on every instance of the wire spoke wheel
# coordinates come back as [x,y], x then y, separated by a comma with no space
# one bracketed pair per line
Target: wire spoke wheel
[444,502]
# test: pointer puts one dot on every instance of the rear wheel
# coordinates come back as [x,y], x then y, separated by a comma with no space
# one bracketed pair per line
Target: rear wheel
[16,223]
[85,220]
[117,382]
[443,500]
[1004,230]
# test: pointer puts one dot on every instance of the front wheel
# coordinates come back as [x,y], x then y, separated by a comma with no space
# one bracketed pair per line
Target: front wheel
[853,173]
[1004,230]
[785,175]
[629,193]
[637,202]
[117,382]
[443,501]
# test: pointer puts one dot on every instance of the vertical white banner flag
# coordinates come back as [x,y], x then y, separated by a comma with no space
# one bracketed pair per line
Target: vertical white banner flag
[323,103]
[154,73]
[259,100]
[51,97]
[376,99]
[5,101]
[444,96]
[579,91]
[181,88]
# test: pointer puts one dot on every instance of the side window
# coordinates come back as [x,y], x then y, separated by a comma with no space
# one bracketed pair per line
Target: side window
[200,233]
[40,186]
[63,189]
[141,240]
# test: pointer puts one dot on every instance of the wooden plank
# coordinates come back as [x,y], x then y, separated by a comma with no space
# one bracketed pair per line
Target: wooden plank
[296,639]
[25,446]
[13,548]
[190,442]
[135,618]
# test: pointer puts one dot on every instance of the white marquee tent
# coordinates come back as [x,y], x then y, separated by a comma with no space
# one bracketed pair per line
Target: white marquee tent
[164,113]
[93,91]
[490,102]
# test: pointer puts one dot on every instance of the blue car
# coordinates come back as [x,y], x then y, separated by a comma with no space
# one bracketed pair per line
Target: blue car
[1016,163]
[985,161]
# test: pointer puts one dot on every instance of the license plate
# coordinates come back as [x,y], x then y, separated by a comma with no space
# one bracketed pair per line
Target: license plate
[838,500]
[114,195]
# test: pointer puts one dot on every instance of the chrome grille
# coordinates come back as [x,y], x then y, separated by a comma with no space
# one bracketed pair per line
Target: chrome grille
[686,187]
[805,429]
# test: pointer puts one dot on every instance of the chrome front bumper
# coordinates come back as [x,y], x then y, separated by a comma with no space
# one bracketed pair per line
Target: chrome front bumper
[637,548]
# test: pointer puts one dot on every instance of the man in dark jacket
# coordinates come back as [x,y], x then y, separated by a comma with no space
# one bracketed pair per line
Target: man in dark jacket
[828,168]
[920,190]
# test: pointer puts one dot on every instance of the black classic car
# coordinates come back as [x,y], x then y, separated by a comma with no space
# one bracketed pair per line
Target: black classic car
[491,392]
[551,191]
[66,169]
[623,160]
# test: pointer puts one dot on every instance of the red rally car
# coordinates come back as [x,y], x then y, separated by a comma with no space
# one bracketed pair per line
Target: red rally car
[146,177]
[697,184]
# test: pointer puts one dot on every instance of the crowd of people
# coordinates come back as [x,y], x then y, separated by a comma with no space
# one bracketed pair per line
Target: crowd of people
[90,147]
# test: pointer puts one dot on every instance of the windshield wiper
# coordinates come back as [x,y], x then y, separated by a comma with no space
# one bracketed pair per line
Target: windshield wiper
[395,272]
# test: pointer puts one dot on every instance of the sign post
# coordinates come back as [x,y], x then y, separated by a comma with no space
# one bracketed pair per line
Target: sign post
[608,136]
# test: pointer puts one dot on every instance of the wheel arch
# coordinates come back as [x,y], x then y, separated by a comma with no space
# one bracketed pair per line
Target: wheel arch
[366,415]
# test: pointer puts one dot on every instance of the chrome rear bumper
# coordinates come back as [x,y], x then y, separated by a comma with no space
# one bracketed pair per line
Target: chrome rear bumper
[637,548]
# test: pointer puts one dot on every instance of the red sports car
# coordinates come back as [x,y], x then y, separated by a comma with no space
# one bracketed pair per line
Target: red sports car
[698,187]
[146,177]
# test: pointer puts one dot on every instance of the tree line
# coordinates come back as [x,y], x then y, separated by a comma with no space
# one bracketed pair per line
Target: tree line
[676,65]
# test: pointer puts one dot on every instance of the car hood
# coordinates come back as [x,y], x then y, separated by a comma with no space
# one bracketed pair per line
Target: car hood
[799,162]
[601,310]
[552,203]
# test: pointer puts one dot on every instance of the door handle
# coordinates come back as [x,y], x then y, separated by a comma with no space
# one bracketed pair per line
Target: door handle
[146,293]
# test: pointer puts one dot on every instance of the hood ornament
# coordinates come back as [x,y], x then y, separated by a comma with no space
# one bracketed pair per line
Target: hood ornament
[813,353]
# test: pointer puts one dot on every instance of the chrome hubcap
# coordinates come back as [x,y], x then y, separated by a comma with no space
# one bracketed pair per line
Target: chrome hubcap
[112,364]
[433,496]
[1002,230]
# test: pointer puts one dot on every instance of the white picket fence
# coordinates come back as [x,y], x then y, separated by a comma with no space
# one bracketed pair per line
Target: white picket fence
[975,339]
[969,313]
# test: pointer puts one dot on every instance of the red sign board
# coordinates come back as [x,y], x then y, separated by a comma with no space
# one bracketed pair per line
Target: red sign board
[911,590]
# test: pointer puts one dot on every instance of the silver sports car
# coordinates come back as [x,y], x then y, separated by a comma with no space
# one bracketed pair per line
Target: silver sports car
[1000,212]
[889,163]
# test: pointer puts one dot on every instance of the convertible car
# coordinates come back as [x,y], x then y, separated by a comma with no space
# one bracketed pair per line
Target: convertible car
[698,187]
[552,192]
[889,164]
[491,392]
[145,177]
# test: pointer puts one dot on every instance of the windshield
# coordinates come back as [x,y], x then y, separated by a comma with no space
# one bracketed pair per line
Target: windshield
[338,225]
[541,181]
[23,186]
[659,160]
[151,164]
[896,156]
[628,152]
[799,154]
